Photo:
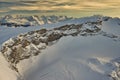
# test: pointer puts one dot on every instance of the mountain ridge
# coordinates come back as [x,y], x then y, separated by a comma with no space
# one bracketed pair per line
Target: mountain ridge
[24,48]
[25,21]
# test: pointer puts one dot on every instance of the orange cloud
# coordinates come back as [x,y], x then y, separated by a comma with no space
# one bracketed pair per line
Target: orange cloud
[3,11]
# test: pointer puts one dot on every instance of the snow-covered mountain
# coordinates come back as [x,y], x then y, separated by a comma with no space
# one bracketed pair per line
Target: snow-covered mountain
[25,21]
[79,49]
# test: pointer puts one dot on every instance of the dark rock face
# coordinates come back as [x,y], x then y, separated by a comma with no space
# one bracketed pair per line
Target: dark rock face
[14,24]
[69,27]
[41,31]
[53,36]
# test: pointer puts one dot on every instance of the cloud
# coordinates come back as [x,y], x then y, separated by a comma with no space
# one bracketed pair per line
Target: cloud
[61,4]
[3,11]
[94,4]
[25,8]
[76,6]
[65,3]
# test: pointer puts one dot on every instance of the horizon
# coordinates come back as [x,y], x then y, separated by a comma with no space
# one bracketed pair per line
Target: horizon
[78,8]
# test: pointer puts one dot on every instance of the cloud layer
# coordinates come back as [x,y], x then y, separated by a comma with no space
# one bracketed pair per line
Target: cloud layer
[67,7]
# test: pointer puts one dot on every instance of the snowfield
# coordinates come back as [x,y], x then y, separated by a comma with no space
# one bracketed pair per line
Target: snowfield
[79,49]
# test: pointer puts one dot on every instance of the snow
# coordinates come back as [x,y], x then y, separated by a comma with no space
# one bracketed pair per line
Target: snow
[69,58]
[5,72]
[70,31]
[75,58]
[112,26]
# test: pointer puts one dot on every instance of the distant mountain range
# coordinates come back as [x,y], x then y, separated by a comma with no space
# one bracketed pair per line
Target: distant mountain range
[25,21]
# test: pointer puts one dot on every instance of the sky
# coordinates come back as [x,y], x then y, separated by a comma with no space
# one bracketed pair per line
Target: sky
[75,8]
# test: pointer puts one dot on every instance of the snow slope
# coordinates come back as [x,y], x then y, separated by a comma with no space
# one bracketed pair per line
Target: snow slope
[5,72]
[81,49]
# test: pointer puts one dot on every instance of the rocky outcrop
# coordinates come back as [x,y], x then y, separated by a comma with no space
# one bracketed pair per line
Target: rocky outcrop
[30,44]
